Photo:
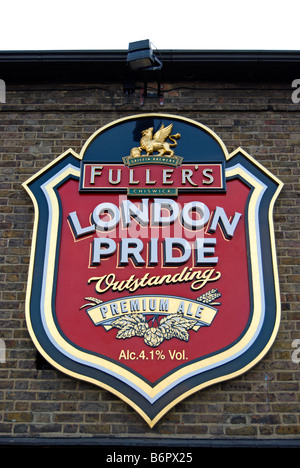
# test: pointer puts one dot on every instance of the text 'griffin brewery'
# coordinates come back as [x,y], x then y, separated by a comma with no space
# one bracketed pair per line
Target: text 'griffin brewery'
[193,216]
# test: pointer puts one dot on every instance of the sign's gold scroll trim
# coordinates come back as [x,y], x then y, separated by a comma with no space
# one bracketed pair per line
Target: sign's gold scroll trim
[106,313]
[145,159]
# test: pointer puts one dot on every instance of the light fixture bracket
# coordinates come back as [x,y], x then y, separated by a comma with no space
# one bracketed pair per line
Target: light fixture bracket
[141,58]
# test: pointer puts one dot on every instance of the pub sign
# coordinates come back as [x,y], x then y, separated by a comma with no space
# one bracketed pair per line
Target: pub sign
[153,267]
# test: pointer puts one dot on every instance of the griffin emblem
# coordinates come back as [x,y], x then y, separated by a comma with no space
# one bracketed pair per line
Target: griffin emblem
[150,143]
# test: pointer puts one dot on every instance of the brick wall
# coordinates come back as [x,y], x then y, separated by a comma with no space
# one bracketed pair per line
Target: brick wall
[37,124]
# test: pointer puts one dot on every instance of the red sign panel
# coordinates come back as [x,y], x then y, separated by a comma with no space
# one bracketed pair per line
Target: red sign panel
[151,177]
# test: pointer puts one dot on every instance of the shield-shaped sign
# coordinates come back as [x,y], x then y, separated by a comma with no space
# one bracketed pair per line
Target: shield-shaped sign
[153,267]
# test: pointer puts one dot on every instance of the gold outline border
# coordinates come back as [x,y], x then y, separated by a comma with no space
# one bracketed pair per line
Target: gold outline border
[150,422]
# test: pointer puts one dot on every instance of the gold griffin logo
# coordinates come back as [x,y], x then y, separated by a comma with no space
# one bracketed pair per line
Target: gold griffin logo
[155,143]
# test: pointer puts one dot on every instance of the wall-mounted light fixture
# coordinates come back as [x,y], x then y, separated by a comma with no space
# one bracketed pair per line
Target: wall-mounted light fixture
[142,58]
